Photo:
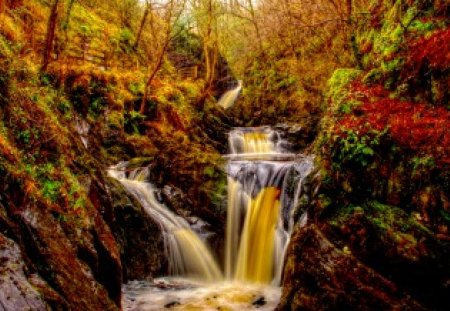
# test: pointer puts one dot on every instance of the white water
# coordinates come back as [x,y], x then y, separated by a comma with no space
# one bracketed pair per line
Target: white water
[187,254]
[229,98]
[262,194]
[181,294]
[265,183]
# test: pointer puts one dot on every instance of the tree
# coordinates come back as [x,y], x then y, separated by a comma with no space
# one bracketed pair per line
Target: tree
[142,24]
[206,14]
[51,33]
[163,20]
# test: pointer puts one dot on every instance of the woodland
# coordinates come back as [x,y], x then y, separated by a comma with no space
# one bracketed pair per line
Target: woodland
[361,86]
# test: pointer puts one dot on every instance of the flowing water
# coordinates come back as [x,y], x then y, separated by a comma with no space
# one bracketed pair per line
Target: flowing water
[264,184]
[228,98]
[187,253]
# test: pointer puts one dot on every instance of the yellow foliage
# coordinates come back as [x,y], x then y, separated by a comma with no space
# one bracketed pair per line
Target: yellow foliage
[10,29]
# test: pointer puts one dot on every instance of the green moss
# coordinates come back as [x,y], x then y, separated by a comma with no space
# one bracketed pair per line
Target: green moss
[50,189]
[338,83]
[391,66]
[374,76]
[385,218]
[421,28]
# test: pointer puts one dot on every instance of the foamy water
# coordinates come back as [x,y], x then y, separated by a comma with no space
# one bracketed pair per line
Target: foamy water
[183,294]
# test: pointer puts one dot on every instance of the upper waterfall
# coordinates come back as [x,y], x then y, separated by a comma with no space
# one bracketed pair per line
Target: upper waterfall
[229,97]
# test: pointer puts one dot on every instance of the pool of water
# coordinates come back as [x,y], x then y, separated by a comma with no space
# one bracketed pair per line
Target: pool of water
[182,294]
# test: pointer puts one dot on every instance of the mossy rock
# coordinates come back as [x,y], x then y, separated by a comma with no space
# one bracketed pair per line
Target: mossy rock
[395,244]
[338,84]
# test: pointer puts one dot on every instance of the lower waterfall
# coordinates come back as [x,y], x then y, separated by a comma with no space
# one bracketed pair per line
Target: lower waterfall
[264,185]
[187,253]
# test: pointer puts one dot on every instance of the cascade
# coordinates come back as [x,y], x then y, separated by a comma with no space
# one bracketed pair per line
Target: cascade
[264,183]
[264,186]
[187,254]
[229,97]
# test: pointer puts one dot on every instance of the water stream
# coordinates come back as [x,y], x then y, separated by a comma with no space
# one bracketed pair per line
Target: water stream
[229,97]
[264,184]
[187,254]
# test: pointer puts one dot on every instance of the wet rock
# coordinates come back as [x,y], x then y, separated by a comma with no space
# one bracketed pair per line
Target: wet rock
[259,302]
[176,200]
[319,276]
[16,292]
[171,304]
[297,137]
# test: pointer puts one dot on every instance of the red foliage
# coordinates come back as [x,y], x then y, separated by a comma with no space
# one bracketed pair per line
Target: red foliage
[434,50]
[419,127]
[365,93]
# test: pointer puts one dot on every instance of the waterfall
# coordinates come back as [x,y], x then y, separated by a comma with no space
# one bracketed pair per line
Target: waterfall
[187,253]
[264,184]
[228,98]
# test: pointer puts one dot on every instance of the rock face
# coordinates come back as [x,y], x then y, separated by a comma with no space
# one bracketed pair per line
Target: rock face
[380,207]
[49,261]
[64,264]
[16,292]
[319,276]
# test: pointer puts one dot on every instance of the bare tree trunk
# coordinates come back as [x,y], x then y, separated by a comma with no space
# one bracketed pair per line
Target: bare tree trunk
[210,49]
[152,76]
[50,38]
[348,4]
[255,25]
[141,27]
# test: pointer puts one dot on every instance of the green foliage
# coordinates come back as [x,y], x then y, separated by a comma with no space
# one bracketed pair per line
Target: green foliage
[209,171]
[125,40]
[445,215]
[136,88]
[132,121]
[347,106]
[355,149]
[5,48]
[85,31]
[374,76]
[24,136]
[115,120]
[64,106]
[422,164]
[421,27]
[96,106]
[394,65]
